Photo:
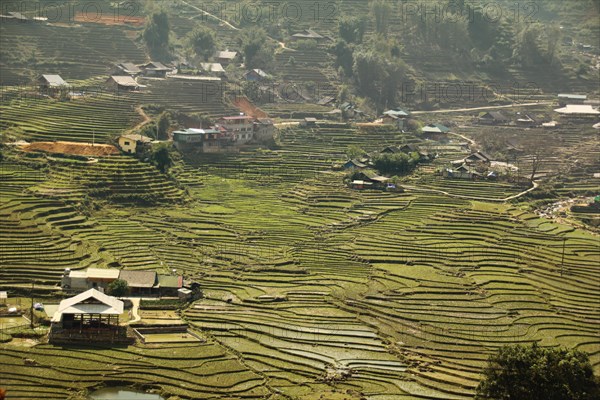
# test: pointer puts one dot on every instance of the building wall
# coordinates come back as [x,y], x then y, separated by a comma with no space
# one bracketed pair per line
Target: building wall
[127,145]
[264,132]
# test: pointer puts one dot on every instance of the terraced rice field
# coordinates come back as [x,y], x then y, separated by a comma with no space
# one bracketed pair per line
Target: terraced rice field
[309,286]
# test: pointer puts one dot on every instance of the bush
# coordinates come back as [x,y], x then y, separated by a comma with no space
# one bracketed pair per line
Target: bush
[396,164]
[535,373]
[118,288]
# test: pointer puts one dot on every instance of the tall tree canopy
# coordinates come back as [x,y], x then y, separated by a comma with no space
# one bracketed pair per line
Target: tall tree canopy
[536,373]
[156,34]
[255,48]
[202,41]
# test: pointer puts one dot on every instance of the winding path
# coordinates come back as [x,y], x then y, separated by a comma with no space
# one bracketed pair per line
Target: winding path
[228,24]
[459,196]
[540,103]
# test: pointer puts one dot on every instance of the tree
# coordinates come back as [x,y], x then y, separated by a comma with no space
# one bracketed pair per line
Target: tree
[536,373]
[156,34]
[163,123]
[526,50]
[202,41]
[553,35]
[353,151]
[161,157]
[381,10]
[352,29]
[396,164]
[344,56]
[253,42]
[118,288]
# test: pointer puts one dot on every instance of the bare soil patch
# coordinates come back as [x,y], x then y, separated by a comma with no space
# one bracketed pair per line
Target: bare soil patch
[110,18]
[73,148]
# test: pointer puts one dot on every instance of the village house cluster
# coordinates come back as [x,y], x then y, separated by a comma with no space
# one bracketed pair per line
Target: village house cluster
[147,283]
[227,135]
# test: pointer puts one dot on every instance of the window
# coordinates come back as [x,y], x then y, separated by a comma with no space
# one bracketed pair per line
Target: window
[126,143]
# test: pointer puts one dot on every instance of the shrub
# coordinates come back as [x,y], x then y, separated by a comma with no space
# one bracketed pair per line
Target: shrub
[535,373]
[118,288]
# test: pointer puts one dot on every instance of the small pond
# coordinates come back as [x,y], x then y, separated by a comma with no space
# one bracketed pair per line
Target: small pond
[123,393]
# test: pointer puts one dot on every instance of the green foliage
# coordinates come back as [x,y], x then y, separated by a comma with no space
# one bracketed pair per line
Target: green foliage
[378,78]
[535,373]
[344,56]
[582,69]
[381,11]
[396,164]
[202,40]
[306,44]
[343,94]
[355,151]
[118,288]
[160,304]
[161,157]
[163,123]
[156,35]
[526,50]
[352,29]
[253,42]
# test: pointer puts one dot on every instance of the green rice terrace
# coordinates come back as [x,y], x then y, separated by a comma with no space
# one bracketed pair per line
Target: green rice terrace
[326,290]
[310,285]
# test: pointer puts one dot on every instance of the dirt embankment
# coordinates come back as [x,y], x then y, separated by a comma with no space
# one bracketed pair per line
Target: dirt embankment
[124,16]
[73,148]
[248,108]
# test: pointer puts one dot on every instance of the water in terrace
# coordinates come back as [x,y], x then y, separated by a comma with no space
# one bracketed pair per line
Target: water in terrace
[123,393]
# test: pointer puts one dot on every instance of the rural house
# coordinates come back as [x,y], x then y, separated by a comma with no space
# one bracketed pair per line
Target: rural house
[132,144]
[477,157]
[395,117]
[52,85]
[140,282]
[493,118]
[578,111]
[264,129]
[435,129]
[51,82]
[309,122]
[122,82]
[155,69]
[461,172]
[213,140]
[255,75]
[213,68]
[354,164]
[371,179]
[240,126]
[565,98]
[98,278]
[90,316]
[309,34]
[525,120]
[168,285]
[225,57]
[128,68]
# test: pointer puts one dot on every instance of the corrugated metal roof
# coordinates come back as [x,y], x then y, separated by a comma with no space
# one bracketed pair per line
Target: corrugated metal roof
[124,80]
[54,80]
[583,109]
[98,273]
[169,281]
[101,304]
[139,279]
